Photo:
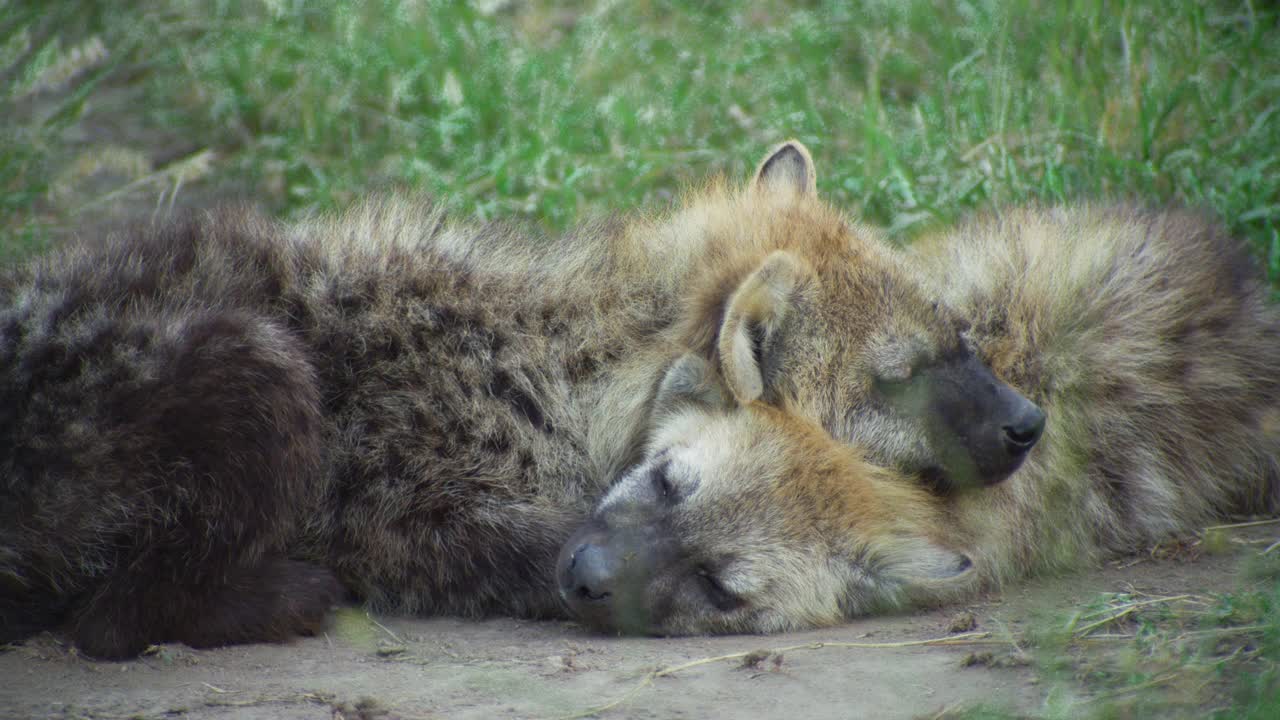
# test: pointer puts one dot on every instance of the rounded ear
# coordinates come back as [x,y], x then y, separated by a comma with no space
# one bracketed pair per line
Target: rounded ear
[753,316]
[923,561]
[903,569]
[690,379]
[788,168]
[918,564]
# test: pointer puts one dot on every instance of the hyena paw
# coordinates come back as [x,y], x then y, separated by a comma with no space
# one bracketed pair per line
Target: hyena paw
[273,602]
[270,602]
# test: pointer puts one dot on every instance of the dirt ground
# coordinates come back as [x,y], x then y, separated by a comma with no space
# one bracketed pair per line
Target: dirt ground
[396,667]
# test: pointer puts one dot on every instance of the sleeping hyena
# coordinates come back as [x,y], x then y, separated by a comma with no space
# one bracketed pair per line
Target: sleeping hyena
[748,518]
[207,429]
[1147,338]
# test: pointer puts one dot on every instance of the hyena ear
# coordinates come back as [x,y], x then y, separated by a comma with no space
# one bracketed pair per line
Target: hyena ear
[690,379]
[917,560]
[788,169]
[749,334]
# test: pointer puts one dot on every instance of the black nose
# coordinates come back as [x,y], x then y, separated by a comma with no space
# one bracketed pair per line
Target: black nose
[590,574]
[1023,433]
[604,573]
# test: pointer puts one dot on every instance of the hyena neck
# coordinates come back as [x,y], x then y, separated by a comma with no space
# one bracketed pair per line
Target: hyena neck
[625,286]
[619,409]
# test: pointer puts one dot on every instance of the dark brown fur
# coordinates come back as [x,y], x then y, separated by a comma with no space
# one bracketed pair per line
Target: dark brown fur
[154,430]
[189,408]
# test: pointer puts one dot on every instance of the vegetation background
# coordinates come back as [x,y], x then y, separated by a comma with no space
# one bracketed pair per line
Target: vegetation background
[917,112]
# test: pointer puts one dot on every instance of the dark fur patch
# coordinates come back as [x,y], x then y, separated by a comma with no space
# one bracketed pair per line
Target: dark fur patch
[269,602]
[1116,488]
[498,444]
[582,366]
[503,386]
[176,400]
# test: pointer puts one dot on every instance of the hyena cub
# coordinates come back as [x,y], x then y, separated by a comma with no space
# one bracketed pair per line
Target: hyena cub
[1149,339]
[208,428]
[1146,337]
[748,518]
[806,310]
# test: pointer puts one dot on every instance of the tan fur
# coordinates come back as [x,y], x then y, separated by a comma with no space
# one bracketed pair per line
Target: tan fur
[1146,336]
[847,313]
[769,525]
[1149,340]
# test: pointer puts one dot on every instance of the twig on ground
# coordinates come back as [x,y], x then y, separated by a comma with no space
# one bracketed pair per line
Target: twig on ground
[384,629]
[1116,614]
[1131,689]
[647,680]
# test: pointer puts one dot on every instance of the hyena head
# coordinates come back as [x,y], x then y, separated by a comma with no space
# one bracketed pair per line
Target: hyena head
[750,519]
[809,311]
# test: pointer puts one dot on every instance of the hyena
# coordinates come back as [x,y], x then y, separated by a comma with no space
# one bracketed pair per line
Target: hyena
[803,308]
[1147,338]
[749,518]
[1150,340]
[213,428]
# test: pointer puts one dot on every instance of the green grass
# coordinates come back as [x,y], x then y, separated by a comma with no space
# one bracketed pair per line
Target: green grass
[1214,656]
[1210,654]
[916,111]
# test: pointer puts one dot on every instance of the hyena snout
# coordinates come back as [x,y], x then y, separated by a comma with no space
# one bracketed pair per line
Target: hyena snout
[602,574]
[982,428]
[1024,428]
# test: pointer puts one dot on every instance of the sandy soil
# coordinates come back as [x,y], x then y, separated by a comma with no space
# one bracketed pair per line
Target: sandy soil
[504,668]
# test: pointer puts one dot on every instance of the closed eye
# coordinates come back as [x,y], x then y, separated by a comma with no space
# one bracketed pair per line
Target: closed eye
[901,369]
[716,593]
[895,377]
[662,481]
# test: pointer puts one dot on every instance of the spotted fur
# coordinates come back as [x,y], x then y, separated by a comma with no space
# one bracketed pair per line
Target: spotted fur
[210,426]
[1147,337]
